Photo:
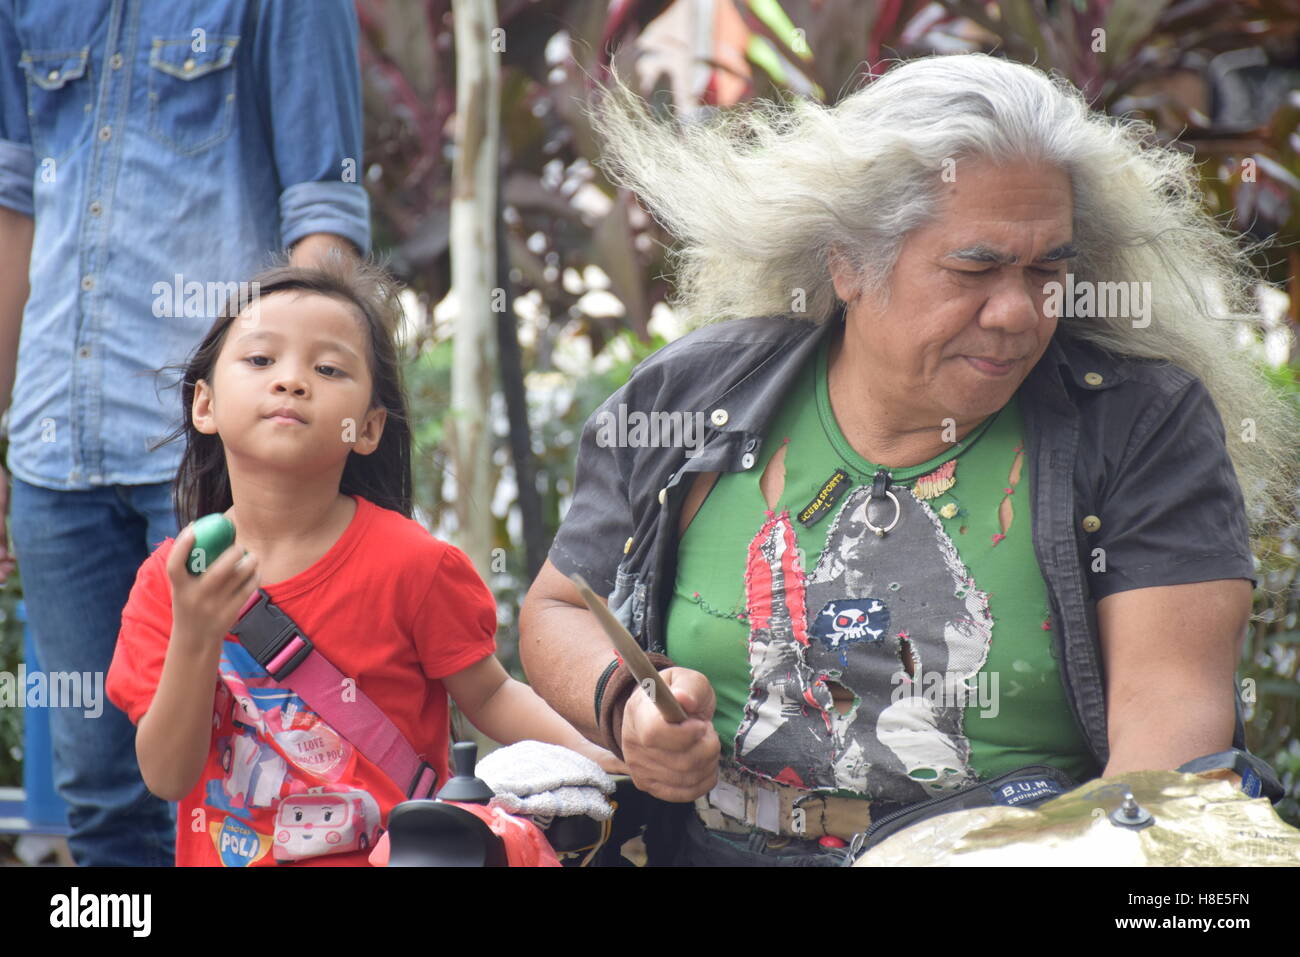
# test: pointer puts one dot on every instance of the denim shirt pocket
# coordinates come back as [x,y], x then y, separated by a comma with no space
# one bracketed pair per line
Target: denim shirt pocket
[192,92]
[627,601]
[60,101]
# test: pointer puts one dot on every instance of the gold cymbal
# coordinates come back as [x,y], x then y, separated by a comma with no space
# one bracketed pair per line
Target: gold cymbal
[1197,821]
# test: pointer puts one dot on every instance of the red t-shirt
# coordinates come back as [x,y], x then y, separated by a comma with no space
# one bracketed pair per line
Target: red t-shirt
[388,605]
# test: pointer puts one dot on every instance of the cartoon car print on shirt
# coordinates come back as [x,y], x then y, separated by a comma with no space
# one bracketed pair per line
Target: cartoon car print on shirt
[321,822]
[263,707]
[255,772]
[276,759]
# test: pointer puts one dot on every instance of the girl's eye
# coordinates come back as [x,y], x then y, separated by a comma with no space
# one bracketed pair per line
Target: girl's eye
[261,362]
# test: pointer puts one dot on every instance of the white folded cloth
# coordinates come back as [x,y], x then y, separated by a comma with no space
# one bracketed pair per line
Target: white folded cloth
[546,780]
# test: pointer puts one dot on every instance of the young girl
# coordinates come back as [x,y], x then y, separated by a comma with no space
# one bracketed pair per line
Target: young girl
[295,427]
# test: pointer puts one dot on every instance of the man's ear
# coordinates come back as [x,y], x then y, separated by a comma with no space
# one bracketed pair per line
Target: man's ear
[848,285]
[201,413]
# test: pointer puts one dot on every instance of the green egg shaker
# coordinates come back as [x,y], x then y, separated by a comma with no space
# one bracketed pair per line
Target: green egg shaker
[213,534]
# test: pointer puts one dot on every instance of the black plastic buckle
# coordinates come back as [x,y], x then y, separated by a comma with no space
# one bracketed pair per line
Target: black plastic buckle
[1257,776]
[265,631]
[415,780]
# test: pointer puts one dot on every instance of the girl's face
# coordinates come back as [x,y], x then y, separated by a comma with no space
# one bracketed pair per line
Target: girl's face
[291,387]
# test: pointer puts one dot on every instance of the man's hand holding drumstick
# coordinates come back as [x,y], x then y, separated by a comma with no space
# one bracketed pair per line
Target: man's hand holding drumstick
[667,734]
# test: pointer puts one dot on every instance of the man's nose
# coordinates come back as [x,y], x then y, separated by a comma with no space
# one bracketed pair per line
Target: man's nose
[1014,305]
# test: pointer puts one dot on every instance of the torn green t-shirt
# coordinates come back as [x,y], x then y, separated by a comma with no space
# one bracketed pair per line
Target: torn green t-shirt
[940,629]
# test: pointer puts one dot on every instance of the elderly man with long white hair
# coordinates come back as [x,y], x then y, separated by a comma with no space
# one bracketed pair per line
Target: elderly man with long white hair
[972,497]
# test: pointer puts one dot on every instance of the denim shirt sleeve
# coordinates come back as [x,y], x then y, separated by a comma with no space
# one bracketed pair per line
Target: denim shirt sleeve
[1175,514]
[17,161]
[599,521]
[306,53]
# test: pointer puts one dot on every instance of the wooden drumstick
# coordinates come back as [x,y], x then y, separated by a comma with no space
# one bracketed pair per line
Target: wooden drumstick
[645,673]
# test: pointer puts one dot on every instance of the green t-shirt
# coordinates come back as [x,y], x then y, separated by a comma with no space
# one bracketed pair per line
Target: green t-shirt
[940,629]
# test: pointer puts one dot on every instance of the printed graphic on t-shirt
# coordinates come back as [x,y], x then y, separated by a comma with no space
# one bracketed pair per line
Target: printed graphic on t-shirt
[283,767]
[877,635]
[237,844]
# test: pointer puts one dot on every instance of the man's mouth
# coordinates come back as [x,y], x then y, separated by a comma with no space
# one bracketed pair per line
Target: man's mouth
[991,366]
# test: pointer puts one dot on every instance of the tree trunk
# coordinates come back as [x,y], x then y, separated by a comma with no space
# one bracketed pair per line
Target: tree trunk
[521,435]
[473,270]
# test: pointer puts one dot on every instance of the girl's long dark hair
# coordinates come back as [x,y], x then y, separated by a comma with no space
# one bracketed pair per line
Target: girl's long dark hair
[202,485]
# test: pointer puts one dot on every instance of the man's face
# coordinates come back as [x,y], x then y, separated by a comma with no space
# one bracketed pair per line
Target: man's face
[968,287]
[300,352]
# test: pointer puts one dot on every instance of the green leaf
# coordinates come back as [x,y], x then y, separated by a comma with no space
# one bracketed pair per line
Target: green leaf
[1127,24]
[1025,21]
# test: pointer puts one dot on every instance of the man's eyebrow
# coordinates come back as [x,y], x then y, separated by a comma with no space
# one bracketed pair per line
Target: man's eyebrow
[983,253]
[275,336]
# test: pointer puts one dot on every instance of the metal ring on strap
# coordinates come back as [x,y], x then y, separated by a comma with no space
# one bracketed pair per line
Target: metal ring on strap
[898,511]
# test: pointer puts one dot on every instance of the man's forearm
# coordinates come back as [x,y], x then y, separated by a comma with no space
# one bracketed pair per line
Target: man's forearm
[1169,653]
[15,259]
[564,652]
[313,250]
[1169,727]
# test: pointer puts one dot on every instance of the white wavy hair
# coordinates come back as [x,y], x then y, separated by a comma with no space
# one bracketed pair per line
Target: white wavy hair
[761,199]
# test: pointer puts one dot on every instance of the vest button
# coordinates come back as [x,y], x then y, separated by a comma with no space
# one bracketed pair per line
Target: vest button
[1092,378]
[719,417]
[1091,523]
[747,460]
[663,496]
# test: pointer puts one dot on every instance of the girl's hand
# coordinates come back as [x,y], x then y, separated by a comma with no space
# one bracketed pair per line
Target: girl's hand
[604,757]
[611,764]
[206,606]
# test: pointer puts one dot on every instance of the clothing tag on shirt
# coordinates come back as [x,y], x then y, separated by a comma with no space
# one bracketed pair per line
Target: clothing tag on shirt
[1251,783]
[1026,789]
[824,500]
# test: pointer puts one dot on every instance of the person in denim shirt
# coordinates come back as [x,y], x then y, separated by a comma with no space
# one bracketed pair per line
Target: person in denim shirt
[152,155]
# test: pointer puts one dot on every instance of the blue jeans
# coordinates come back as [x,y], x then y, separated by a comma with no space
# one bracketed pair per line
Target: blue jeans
[78,553]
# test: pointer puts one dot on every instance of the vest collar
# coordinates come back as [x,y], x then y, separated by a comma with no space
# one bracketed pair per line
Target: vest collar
[1084,365]
[748,405]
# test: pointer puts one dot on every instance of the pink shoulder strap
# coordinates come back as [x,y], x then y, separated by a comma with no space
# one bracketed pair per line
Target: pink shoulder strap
[293,662]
